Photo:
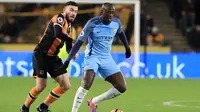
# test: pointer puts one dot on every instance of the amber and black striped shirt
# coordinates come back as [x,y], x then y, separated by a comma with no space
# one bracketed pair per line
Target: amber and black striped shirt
[56,33]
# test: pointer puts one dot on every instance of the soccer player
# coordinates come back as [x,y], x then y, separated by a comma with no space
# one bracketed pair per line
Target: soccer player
[100,32]
[45,58]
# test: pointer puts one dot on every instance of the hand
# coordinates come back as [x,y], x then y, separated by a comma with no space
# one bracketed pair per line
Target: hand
[76,56]
[128,53]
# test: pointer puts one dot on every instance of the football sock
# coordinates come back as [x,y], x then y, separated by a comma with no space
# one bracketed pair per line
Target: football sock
[111,93]
[54,95]
[31,97]
[79,97]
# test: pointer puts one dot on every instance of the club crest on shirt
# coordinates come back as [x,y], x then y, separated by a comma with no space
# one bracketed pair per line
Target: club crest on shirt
[41,72]
[60,20]
[82,33]
[114,30]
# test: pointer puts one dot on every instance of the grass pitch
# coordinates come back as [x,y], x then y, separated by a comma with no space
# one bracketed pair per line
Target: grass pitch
[142,95]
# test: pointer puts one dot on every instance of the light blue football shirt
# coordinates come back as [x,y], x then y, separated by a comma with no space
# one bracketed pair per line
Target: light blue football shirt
[100,36]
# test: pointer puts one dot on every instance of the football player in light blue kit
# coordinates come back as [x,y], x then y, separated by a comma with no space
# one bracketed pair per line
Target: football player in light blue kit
[100,32]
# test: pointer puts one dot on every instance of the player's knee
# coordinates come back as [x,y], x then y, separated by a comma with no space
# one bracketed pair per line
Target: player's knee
[65,87]
[86,86]
[40,88]
[121,88]
[88,79]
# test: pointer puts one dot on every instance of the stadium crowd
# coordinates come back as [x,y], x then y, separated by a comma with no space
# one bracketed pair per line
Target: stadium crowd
[12,27]
[186,14]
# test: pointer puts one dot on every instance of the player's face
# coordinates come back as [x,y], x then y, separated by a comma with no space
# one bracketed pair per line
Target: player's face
[108,14]
[71,12]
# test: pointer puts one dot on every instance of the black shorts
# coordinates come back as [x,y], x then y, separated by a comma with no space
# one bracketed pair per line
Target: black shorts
[43,64]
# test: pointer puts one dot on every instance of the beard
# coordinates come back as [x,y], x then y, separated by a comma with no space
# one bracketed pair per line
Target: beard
[70,18]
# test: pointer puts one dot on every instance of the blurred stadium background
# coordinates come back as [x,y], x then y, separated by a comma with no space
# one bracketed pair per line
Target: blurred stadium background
[169,50]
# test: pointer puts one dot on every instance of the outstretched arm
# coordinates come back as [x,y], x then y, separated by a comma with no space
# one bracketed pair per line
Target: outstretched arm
[81,39]
[123,38]
[72,53]
[75,49]
[68,46]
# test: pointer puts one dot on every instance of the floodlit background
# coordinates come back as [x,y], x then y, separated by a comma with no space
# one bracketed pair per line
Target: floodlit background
[162,74]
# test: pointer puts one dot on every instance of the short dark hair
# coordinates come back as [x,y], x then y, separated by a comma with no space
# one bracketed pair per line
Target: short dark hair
[107,4]
[71,3]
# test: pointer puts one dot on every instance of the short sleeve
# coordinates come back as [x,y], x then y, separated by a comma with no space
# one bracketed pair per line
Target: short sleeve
[58,20]
[120,29]
[85,33]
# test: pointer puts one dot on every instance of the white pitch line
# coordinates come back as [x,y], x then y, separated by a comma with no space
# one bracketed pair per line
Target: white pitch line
[177,104]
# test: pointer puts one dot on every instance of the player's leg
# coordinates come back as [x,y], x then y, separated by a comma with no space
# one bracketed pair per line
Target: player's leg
[34,92]
[41,74]
[111,73]
[63,85]
[56,93]
[118,88]
[86,83]
[62,79]
[90,67]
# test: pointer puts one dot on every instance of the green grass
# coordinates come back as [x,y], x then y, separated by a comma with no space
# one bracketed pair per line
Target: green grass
[142,95]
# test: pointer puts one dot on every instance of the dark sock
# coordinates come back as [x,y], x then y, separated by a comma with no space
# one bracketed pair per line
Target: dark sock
[44,106]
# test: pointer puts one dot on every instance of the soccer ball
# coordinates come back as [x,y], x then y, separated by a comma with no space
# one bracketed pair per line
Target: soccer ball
[116,110]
